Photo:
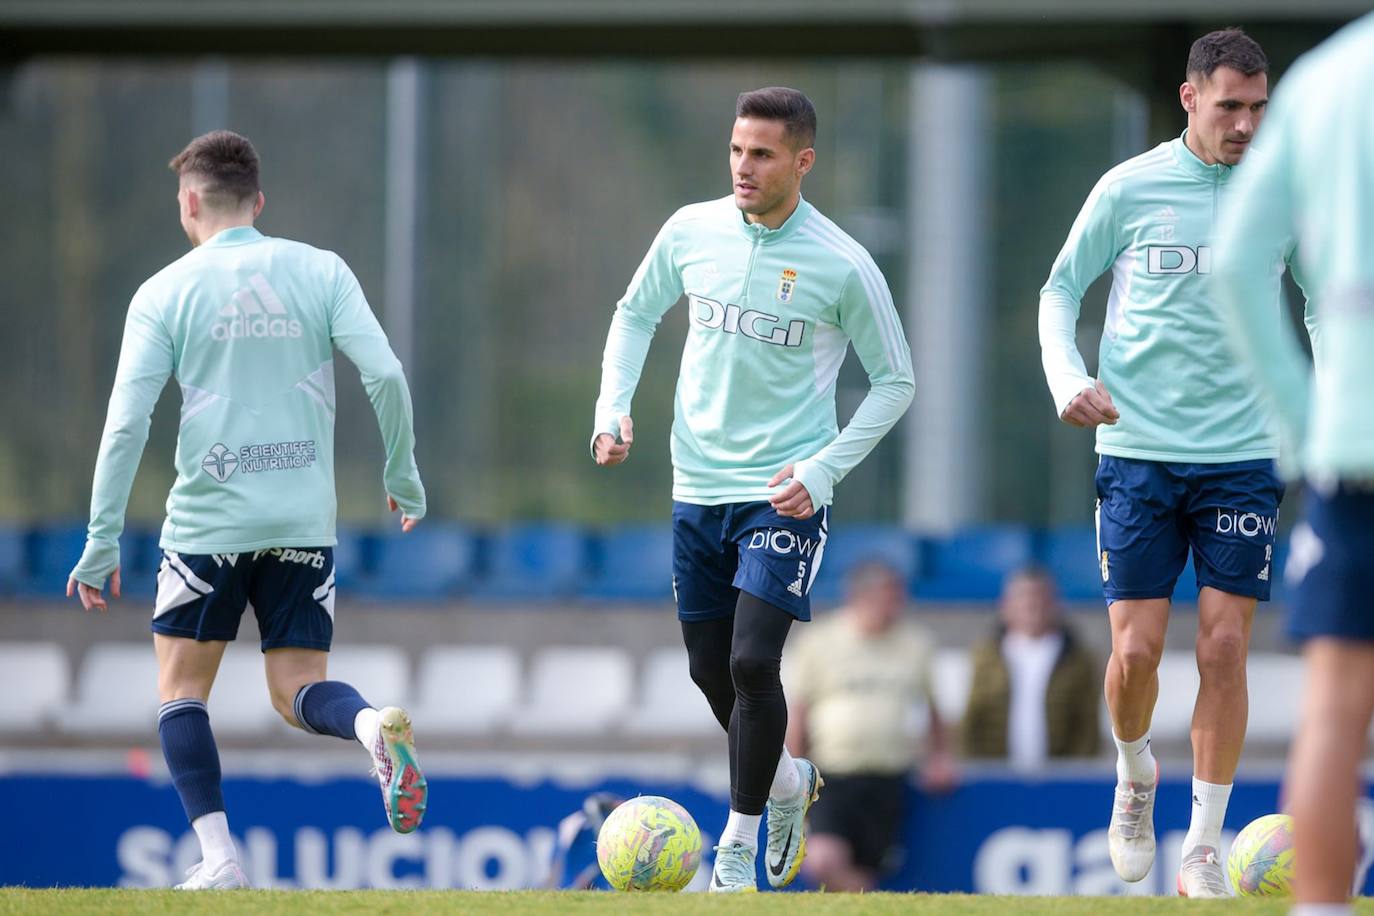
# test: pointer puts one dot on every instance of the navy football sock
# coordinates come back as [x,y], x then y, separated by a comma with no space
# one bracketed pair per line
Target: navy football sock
[329,708]
[188,745]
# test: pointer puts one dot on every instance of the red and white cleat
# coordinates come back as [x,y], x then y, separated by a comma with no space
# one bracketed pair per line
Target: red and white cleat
[404,790]
[1200,875]
[1131,834]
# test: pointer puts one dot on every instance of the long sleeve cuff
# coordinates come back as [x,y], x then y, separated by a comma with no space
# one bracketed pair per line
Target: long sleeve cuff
[98,560]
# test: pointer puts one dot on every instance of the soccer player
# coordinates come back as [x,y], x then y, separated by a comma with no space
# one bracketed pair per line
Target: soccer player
[1186,443]
[1312,180]
[776,292]
[248,324]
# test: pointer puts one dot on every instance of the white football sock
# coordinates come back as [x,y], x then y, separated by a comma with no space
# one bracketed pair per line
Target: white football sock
[366,724]
[1134,760]
[787,783]
[1209,810]
[741,828]
[216,846]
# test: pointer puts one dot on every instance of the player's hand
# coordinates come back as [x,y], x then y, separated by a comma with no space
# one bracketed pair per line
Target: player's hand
[940,774]
[407,523]
[91,597]
[794,501]
[610,451]
[1092,407]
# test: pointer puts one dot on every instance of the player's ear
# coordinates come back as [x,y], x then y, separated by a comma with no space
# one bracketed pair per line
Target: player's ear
[805,159]
[259,204]
[190,203]
[1187,96]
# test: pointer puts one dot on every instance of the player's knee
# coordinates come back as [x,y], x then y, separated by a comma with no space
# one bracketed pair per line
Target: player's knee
[756,674]
[1139,657]
[1221,648]
[710,675]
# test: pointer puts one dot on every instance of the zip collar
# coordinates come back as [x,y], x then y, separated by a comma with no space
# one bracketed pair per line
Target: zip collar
[234,235]
[1187,160]
[758,232]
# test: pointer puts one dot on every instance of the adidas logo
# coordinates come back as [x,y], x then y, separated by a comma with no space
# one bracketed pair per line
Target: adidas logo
[796,588]
[1264,573]
[255,311]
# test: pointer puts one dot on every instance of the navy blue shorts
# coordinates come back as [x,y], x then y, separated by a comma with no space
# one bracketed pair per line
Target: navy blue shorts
[1151,513]
[290,589]
[1330,570]
[720,550]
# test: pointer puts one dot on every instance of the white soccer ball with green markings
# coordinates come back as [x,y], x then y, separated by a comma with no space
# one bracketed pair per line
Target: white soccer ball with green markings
[649,843]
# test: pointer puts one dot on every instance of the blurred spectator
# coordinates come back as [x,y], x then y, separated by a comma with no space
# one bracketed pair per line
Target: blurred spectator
[1035,690]
[855,684]
[574,865]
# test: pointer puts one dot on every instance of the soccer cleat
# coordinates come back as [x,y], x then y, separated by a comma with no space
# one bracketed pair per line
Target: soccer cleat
[404,790]
[786,823]
[227,877]
[1200,875]
[734,871]
[1131,834]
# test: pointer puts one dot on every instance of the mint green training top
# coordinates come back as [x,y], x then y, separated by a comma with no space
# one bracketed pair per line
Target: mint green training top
[772,313]
[1182,395]
[248,325]
[1313,181]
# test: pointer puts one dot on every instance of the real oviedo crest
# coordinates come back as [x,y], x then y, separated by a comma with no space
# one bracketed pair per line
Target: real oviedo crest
[786,285]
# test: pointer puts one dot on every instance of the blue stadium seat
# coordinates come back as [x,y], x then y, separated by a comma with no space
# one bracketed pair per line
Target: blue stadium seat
[1070,555]
[139,557]
[851,545]
[351,556]
[13,562]
[534,561]
[53,553]
[971,564]
[433,561]
[636,564]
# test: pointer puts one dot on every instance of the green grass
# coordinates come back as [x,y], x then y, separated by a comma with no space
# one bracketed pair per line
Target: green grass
[289,903]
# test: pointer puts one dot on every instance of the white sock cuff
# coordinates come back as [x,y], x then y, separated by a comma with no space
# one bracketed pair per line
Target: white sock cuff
[1134,760]
[1210,793]
[365,727]
[741,828]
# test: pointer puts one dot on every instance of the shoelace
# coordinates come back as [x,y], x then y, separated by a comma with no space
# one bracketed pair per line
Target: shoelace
[381,760]
[1127,816]
[733,865]
[776,811]
[1204,869]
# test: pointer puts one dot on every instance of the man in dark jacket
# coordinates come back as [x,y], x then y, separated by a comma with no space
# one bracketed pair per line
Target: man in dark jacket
[1035,688]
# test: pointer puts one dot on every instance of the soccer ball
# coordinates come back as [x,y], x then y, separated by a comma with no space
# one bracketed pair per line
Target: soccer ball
[649,843]
[1261,860]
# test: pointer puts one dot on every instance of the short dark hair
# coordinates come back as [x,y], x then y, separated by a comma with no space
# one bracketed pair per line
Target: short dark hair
[778,103]
[874,570]
[228,164]
[1226,48]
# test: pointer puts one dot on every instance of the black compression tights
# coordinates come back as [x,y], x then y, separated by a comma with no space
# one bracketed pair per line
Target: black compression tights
[736,662]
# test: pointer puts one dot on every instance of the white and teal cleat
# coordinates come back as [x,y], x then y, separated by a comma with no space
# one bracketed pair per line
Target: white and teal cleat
[786,828]
[734,870]
[227,877]
[404,790]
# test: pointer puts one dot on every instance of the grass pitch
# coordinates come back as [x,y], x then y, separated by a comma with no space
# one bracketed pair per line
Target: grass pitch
[104,902]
